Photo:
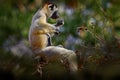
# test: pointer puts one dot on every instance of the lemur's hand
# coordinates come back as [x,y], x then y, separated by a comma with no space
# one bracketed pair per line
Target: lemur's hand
[59,23]
[57,32]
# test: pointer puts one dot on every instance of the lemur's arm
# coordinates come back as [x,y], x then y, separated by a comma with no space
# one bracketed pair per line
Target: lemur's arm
[44,30]
[42,21]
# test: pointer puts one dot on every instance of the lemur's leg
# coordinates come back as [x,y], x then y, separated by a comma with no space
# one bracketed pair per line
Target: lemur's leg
[49,40]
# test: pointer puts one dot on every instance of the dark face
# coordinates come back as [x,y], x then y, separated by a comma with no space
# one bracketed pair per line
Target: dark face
[53,11]
[55,15]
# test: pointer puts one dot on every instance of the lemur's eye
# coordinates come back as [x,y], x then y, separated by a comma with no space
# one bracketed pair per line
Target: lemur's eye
[51,7]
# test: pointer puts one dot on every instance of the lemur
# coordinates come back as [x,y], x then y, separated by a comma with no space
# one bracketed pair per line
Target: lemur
[41,31]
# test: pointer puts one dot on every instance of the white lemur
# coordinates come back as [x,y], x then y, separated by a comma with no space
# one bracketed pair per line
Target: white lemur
[40,30]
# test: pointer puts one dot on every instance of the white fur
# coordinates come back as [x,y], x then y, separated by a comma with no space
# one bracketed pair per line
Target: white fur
[39,22]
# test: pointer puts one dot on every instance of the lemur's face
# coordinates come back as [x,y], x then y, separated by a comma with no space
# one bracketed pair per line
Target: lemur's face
[53,10]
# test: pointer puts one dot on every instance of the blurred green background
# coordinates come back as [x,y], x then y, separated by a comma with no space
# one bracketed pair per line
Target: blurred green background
[97,42]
